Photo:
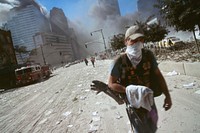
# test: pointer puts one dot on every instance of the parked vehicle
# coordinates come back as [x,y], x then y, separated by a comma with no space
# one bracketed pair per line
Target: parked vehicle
[171,43]
[46,72]
[28,74]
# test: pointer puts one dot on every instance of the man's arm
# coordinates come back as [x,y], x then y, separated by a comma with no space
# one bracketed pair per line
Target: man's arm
[167,102]
[113,85]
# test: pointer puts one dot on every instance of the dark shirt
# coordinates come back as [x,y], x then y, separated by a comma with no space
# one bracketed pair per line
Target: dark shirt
[116,64]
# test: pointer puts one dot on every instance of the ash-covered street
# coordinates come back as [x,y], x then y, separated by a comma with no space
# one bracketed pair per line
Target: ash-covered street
[65,104]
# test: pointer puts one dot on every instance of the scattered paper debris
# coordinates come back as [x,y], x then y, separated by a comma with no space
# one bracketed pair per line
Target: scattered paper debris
[87,90]
[58,122]
[93,128]
[50,101]
[197,92]
[70,126]
[118,115]
[48,112]
[95,113]
[98,103]
[80,85]
[83,97]
[96,118]
[43,121]
[190,85]
[67,113]
[172,73]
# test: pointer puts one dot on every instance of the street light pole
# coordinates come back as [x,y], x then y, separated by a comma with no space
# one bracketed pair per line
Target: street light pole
[43,54]
[100,30]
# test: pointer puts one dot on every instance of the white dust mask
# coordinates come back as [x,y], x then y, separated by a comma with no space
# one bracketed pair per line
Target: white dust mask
[134,53]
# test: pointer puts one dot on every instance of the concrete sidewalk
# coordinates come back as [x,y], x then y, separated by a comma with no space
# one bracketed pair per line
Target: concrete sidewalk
[184,68]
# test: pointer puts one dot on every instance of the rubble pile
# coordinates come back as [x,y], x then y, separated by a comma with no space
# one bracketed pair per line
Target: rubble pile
[186,53]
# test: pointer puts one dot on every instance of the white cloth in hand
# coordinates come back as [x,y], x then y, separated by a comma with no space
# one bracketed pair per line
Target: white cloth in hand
[140,96]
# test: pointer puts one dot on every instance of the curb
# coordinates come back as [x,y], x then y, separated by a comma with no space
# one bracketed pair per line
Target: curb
[184,68]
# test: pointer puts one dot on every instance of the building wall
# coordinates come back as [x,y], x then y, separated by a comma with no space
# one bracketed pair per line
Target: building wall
[7,54]
[59,25]
[8,61]
[52,49]
[27,20]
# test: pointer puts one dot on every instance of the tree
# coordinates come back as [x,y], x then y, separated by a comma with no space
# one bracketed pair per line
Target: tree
[182,14]
[33,52]
[154,32]
[21,50]
[117,42]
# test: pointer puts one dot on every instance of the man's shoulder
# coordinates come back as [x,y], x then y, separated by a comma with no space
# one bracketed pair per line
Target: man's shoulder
[147,51]
[119,57]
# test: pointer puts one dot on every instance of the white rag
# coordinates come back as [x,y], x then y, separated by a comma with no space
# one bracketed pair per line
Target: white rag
[140,96]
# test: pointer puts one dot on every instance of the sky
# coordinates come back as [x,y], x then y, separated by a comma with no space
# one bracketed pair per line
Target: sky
[84,16]
[72,8]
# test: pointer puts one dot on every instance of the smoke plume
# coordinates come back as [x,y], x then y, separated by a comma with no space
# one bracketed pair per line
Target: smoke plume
[98,17]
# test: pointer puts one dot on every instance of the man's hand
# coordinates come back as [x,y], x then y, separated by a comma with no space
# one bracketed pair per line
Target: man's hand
[98,86]
[167,103]
[101,86]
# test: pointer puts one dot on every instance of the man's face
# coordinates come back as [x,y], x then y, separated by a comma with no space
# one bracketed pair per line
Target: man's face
[129,41]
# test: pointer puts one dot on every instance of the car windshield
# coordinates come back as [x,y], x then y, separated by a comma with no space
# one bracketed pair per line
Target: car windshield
[23,71]
[19,72]
[28,70]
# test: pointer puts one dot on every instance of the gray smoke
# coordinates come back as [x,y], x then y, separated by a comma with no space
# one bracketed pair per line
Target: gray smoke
[101,17]
[5,7]
[111,22]
[105,18]
[15,3]
[10,2]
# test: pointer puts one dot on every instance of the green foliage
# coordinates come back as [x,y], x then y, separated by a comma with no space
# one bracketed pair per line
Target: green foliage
[117,42]
[154,32]
[183,14]
[33,52]
[21,50]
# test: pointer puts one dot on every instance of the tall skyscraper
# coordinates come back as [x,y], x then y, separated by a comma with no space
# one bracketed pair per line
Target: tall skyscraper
[146,9]
[27,21]
[59,25]
[111,7]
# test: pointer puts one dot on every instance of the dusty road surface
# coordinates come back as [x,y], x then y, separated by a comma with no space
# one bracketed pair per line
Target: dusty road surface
[65,104]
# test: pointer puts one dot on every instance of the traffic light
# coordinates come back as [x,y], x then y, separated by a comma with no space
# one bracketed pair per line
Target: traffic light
[85,46]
